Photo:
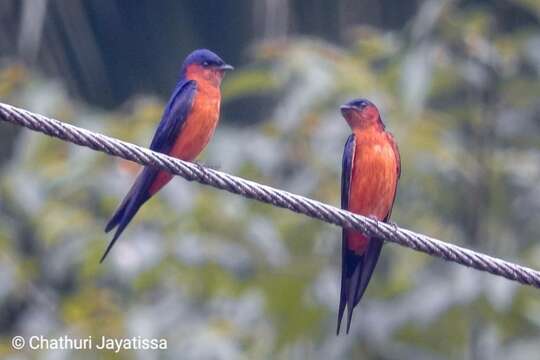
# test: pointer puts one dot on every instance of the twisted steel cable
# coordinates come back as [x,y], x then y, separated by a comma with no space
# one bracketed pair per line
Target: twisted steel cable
[270,195]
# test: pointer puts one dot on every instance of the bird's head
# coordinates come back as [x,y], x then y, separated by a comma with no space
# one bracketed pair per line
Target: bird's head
[205,66]
[361,113]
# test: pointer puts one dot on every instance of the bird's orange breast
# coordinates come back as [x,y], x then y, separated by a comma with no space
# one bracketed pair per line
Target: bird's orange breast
[374,180]
[200,124]
[196,132]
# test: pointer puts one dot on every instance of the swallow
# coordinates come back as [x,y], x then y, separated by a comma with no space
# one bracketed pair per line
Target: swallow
[187,125]
[371,168]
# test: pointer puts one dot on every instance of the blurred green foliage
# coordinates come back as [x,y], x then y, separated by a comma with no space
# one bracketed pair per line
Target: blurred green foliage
[223,277]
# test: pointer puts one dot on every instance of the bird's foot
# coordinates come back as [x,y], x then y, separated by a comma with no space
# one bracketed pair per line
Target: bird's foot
[394,226]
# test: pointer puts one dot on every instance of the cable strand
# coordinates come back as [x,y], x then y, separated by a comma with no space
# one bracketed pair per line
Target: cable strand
[276,197]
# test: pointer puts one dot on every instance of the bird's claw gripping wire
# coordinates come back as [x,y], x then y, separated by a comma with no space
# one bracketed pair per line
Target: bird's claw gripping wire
[393,225]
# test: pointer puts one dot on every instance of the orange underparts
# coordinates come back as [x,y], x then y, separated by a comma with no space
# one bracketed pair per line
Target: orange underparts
[357,242]
[197,130]
[373,181]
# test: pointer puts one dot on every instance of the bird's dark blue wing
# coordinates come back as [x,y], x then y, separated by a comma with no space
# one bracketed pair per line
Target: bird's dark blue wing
[346,175]
[346,170]
[394,145]
[174,117]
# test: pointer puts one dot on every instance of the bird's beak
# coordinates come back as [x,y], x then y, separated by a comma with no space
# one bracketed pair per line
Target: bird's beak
[225,67]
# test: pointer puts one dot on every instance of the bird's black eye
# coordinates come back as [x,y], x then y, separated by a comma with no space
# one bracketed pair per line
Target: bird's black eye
[205,64]
[361,104]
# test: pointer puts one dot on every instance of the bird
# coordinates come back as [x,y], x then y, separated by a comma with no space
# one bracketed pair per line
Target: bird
[187,125]
[371,168]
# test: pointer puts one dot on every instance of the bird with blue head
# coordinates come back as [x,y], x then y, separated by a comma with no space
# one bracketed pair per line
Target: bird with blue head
[187,125]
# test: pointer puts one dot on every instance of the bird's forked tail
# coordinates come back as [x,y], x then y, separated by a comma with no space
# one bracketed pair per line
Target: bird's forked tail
[355,276]
[135,198]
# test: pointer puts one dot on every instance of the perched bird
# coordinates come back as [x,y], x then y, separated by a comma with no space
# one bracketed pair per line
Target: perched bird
[187,124]
[370,172]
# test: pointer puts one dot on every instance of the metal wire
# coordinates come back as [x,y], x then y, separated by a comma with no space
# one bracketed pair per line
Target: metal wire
[267,194]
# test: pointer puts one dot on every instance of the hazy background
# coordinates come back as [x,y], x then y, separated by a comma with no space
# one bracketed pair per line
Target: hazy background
[221,277]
